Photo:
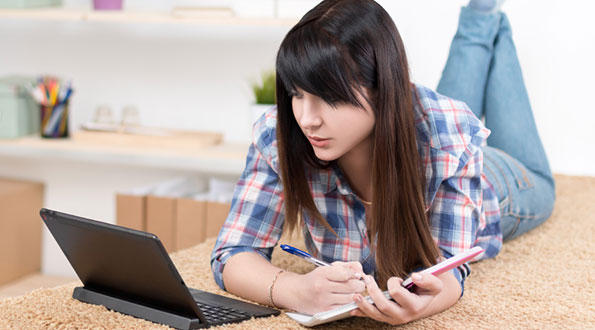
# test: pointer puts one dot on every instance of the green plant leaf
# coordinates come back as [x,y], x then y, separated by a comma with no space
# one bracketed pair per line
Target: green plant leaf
[264,93]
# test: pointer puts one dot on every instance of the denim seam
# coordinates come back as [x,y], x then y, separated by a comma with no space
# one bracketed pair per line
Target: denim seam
[529,185]
[517,223]
[534,216]
[505,201]
[528,182]
[510,203]
[515,228]
[509,197]
[487,167]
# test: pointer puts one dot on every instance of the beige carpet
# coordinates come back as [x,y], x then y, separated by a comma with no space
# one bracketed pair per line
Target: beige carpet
[543,279]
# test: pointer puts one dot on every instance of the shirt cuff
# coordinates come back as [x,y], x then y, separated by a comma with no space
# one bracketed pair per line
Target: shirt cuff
[461,272]
[457,273]
[218,264]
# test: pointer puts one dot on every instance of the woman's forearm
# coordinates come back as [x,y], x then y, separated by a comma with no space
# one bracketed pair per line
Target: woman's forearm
[249,275]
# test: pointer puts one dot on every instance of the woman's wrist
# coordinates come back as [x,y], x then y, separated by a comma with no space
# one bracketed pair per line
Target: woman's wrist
[272,287]
[285,291]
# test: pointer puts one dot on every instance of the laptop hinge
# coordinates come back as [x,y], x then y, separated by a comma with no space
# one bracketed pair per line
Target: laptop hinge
[137,310]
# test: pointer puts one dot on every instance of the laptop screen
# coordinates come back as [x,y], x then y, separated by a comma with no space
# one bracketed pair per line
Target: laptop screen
[121,262]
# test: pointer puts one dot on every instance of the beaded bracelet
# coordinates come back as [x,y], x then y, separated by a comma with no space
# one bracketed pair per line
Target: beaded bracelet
[271,288]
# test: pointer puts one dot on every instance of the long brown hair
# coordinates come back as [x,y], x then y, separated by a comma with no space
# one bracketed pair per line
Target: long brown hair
[336,49]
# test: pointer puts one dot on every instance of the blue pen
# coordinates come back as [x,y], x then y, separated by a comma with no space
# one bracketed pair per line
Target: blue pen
[66,95]
[304,255]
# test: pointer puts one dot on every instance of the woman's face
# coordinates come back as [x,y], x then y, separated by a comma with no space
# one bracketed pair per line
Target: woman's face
[333,132]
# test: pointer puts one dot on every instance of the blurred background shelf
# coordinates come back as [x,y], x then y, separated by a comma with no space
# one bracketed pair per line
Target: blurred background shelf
[221,159]
[174,17]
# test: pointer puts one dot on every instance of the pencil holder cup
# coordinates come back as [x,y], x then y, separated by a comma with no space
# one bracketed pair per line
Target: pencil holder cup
[54,121]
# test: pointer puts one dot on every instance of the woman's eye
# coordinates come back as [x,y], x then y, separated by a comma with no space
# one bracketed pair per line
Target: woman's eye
[295,94]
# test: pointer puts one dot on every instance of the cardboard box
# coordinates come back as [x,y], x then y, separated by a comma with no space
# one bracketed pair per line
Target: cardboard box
[216,214]
[20,225]
[131,211]
[178,222]
[161,220]
[182,222]
[167,210]
[191,222]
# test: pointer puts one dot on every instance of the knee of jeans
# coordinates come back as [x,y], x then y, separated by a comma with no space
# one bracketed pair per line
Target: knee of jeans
[548,177]
[549,196]
[523,177]
[551,184]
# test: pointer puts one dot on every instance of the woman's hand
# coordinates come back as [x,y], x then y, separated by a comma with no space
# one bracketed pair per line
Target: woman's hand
[407,306]
[326,288]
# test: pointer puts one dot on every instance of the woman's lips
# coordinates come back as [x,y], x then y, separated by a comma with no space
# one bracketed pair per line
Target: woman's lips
[318,142]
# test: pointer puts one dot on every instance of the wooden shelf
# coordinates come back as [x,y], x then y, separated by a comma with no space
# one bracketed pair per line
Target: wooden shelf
[123,16]
[225,158]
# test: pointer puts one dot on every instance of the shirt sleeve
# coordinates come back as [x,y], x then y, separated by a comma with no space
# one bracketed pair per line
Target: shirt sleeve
[460,272]
[255,221]
[457,208]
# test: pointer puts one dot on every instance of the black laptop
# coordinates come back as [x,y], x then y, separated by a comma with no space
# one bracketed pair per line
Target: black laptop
[129,271]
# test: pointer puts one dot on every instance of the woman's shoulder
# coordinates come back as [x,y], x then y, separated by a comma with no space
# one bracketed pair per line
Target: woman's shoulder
[264,137]
[445,123]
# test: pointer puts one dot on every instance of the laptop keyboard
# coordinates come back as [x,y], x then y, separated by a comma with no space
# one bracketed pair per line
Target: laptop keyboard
[218,313]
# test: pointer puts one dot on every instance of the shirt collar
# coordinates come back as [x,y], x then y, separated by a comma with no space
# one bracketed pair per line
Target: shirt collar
[331,179]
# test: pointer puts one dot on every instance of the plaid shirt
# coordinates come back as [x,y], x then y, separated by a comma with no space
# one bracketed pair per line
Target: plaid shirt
[462,205]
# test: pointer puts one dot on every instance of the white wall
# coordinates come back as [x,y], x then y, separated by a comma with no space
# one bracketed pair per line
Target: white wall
[555,43]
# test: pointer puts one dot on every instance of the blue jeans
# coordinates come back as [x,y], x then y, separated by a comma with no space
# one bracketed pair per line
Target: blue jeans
[483,70]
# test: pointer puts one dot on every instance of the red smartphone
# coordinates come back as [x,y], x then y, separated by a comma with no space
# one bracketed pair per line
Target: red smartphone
[446,265]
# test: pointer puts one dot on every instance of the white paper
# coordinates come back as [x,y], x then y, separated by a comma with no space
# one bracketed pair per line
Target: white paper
[338,313]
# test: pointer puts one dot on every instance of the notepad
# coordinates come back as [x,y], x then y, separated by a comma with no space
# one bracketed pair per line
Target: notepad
[329,316]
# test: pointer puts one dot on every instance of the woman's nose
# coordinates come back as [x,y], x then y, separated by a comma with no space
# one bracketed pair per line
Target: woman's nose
[310,115]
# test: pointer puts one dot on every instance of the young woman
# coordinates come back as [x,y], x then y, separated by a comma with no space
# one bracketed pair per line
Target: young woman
[382,176]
